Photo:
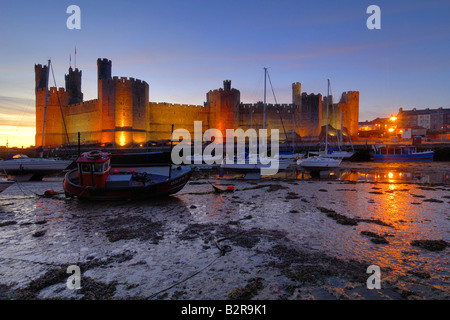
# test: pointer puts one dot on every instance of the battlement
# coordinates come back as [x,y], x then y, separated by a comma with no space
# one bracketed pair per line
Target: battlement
[40,76]
[54,89]
[104,60]
[104,67]
[51,90]
[221,90]
[126,80]
[76,70]
[84,103]
[260,105]
[349,95]
[174,105]
[227,85]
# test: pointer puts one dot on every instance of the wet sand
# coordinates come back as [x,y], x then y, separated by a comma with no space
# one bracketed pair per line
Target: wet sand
[269,239]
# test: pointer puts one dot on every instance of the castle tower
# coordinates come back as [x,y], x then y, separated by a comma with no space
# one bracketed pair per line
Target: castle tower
[297,94]
[224,107]
[227,85]
[54,126]
[104,67]
[123,104]
[41,73]
[106,99]
[73,85]
[349,106]
[310,115]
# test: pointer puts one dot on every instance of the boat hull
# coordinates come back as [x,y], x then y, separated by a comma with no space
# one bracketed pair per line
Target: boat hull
[319,163]
[33,169]
[419,156]
[282,165]
[160,189]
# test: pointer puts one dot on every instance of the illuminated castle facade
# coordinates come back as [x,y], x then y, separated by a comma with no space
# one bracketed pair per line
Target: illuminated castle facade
[122,114]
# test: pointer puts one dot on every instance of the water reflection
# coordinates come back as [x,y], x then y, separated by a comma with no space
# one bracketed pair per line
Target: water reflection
[410,173]
[393,176]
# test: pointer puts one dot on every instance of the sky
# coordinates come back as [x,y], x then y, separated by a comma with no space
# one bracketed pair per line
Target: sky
[183,49]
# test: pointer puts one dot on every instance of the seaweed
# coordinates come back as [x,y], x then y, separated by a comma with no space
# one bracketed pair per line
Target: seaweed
[247,292]
[375,238]
[431,245]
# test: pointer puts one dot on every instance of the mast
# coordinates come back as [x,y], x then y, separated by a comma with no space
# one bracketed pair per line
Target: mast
[326,130]
[276,105]
[45,102]
[293,131]
[342,127]
[60,108]
[170,155]
[264,117]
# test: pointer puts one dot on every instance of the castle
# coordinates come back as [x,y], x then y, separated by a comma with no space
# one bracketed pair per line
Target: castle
[123,115]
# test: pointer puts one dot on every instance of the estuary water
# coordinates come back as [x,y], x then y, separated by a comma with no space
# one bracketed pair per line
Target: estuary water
[289,236]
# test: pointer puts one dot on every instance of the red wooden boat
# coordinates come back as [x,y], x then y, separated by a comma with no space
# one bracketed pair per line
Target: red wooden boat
[95,179]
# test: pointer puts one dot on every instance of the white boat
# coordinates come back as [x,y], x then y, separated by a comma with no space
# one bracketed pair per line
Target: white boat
[290,155]
[319,162]
[325,160]
[32,168]
[250,162]
[340,154]
[24,168]
[334,154]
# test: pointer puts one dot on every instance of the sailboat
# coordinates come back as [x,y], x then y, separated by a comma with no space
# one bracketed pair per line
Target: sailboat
[250,162]
[339,153]
[321,161]
[24,168]
[336,153]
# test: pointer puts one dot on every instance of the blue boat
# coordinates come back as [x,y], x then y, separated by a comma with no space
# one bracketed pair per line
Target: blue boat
[401,153]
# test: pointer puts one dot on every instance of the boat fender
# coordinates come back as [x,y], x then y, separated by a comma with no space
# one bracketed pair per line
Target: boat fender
[49,193]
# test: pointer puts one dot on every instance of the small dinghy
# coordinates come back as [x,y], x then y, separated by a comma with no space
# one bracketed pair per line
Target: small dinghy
[95,179]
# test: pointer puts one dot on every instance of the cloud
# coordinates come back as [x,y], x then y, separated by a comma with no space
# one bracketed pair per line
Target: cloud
[14,105]
[17,111]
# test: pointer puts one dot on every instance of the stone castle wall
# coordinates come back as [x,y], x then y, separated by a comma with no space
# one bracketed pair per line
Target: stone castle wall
[84,118]
[252,116]
[161,116]
[122,114]
[54,125]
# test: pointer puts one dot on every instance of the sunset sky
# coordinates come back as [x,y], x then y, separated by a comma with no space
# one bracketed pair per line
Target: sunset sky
[185,48]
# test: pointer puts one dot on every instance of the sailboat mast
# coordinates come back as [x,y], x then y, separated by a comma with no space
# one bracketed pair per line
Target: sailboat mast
[326,130]
[45,102]
[342,126]
[264,116]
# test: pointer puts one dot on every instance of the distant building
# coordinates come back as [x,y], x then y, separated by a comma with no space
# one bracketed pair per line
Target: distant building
[122,114]
[435,120]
